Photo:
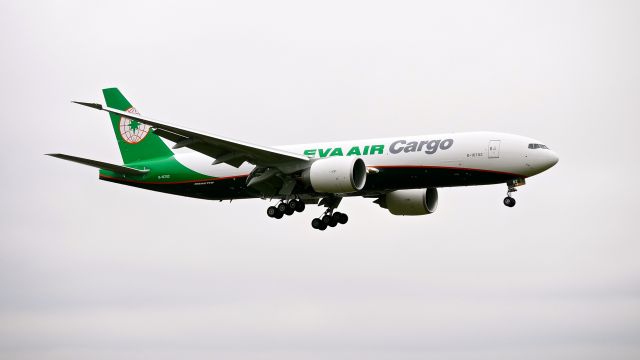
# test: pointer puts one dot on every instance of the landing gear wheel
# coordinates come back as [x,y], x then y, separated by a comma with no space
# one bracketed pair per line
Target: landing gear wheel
[271,211]
[326,219]
[289,211]
[278,215]
[282,207]
[509,201]
[342,218]
[296,205]
[318,224]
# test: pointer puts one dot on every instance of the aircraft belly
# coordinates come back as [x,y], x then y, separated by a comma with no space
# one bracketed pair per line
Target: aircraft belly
[410,177]
[389,177]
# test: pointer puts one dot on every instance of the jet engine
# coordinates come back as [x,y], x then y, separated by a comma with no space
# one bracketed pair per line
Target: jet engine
[410,202]
[335,175]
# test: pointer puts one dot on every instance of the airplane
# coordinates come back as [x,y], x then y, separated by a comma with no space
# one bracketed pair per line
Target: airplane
[401,174]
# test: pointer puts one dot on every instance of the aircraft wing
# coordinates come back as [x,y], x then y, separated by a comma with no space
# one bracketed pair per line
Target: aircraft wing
[222,149]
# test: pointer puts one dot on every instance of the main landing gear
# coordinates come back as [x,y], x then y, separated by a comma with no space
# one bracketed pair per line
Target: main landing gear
[285,208]
[329,218]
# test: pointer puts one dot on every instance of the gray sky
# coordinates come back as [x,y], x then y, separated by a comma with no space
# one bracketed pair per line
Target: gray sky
[90,269]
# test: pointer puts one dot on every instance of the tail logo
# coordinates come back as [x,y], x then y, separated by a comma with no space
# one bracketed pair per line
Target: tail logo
[133,131]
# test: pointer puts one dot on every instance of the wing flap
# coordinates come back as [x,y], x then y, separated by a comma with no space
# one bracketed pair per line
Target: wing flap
[101,165]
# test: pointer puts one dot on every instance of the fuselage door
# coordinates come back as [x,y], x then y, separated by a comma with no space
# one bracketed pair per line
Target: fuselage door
[494,149]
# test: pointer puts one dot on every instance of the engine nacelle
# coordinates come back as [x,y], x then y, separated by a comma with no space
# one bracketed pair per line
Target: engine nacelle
[339,174]
[411,202]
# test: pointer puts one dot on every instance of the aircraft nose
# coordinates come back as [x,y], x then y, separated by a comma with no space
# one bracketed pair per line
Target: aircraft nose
[553,158]
[549,159]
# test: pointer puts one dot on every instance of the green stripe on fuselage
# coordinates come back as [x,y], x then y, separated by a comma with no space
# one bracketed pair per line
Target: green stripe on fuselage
[167,170]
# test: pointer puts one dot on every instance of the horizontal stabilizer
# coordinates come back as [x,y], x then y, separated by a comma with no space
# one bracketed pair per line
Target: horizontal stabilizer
[91,105]
[101,165]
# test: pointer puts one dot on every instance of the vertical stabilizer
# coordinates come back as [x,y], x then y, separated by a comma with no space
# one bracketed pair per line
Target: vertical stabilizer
[136,140]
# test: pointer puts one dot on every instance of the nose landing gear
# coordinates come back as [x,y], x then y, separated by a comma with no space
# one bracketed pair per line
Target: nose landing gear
[511,188]
[509,201]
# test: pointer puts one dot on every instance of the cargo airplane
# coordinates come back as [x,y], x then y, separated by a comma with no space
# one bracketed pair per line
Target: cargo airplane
[401,174]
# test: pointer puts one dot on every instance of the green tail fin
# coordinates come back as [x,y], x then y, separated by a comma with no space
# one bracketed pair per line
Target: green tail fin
[136,140]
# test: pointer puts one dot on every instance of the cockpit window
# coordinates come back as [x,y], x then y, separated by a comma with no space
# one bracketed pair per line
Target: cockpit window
[538,146]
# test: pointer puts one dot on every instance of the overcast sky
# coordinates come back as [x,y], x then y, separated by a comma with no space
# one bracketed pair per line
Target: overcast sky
[90,269]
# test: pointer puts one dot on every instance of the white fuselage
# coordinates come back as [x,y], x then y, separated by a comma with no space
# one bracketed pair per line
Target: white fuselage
[482,151]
